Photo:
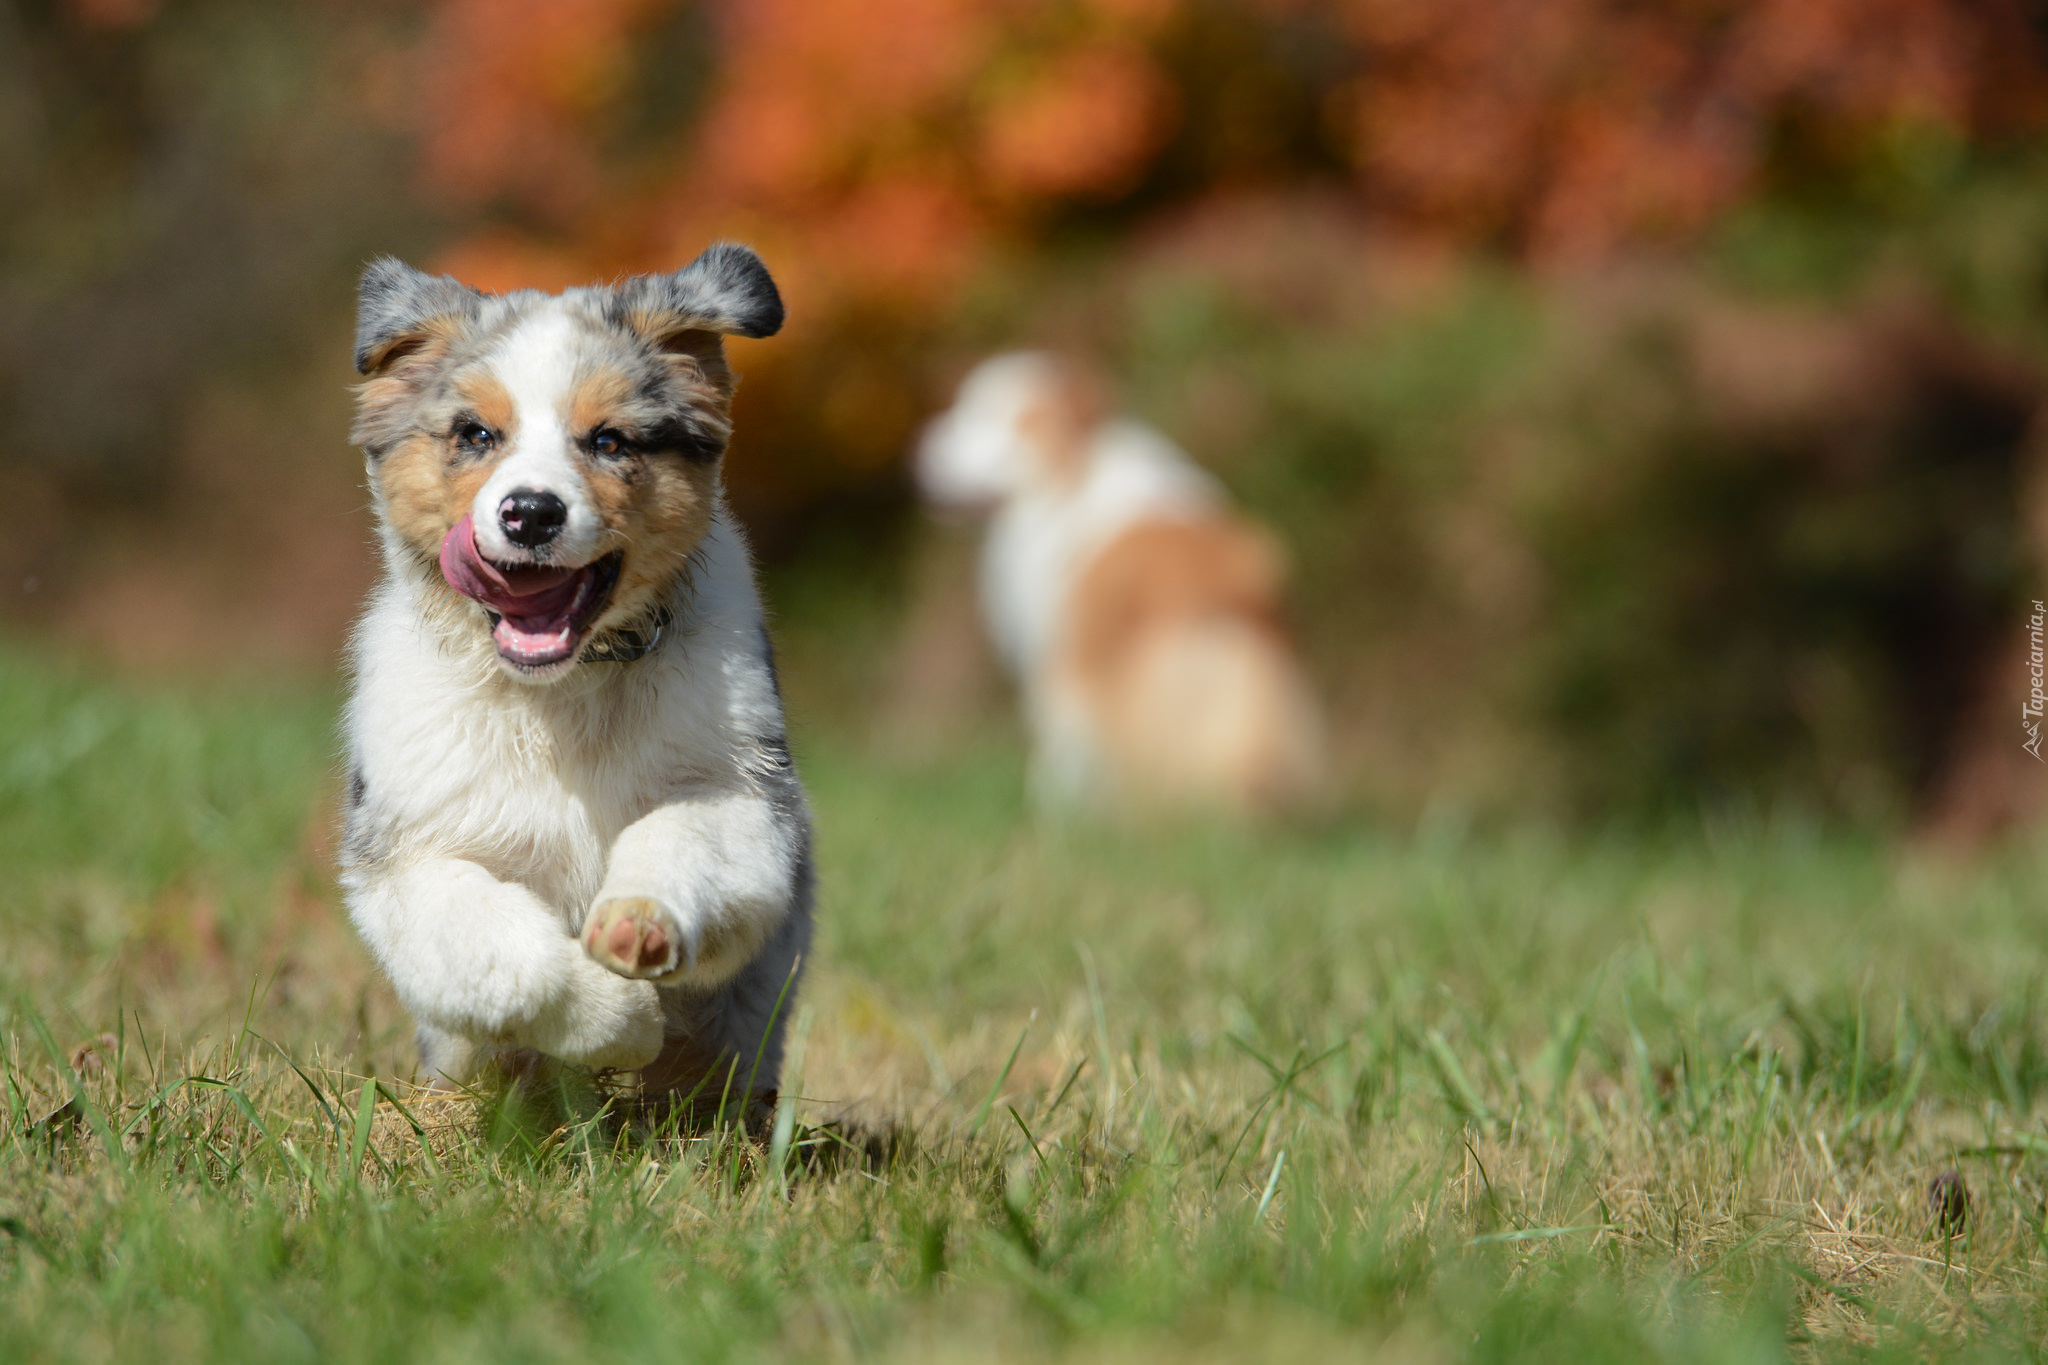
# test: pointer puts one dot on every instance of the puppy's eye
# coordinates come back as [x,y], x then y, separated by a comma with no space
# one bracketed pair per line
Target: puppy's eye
[605,441]
[474,437]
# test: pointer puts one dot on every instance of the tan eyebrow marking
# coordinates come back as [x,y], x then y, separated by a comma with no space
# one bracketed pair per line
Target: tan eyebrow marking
[486,397]
[597,399]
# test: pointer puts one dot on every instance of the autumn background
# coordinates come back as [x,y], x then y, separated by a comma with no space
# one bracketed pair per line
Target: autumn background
[1650,397]
[1648,392]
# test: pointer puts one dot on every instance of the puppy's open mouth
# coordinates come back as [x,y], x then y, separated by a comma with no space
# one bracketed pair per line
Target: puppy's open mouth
[539,612]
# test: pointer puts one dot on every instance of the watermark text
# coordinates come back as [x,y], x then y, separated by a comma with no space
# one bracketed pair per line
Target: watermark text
[2037,698]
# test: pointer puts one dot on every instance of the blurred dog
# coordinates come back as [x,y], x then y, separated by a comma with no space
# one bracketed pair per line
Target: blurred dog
[573,825]
[1141,616]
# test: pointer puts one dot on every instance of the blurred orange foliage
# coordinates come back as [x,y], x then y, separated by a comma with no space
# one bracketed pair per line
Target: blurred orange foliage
[882,154]
[874,148]
[878,149]
[506,92]
[1578,126]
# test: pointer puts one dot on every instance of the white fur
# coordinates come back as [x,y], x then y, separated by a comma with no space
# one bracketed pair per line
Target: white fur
[536,362]
[1045,528]
[492,817]
[1045,532]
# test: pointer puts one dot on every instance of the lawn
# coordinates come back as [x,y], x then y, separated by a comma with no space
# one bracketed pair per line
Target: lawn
[1741,1089]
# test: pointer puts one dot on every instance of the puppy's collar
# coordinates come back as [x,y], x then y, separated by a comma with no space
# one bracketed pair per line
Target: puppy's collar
[627,643]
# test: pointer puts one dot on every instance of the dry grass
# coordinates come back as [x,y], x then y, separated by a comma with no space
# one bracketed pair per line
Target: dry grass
[1055,1093]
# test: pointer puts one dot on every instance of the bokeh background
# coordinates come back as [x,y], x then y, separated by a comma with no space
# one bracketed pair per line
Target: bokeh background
[1650,394]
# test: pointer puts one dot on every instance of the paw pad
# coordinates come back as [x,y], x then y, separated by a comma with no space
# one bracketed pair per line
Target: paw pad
[632,937]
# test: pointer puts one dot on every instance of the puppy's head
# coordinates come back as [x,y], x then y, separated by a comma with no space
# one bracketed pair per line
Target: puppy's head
[1021,423]
[554,457]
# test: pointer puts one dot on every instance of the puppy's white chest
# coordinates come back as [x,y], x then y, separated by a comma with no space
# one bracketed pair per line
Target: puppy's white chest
[501,786]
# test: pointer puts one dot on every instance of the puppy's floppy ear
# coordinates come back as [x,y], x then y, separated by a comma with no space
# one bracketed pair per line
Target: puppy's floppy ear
[397,308]
[726,290]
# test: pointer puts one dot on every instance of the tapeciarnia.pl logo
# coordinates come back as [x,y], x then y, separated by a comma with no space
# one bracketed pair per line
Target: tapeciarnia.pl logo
[2037,700]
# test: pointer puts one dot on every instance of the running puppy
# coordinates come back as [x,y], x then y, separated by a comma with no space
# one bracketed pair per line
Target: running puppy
[1141,616]
[573,825]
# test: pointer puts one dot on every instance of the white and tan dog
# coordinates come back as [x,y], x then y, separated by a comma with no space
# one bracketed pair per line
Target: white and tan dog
[573,825]
[1140,615]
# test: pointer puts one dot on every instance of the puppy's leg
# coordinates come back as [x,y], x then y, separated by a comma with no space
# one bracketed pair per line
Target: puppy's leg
[695,888]
[448,1061]
[489,962]
[1067,758]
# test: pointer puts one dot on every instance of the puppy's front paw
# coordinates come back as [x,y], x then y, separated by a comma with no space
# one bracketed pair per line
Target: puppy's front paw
[634,936]
[638,1040]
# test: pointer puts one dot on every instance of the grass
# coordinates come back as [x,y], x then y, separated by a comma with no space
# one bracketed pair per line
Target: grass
[1056,1092]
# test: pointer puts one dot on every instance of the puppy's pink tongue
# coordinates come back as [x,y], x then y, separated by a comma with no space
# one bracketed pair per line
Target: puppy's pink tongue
[506,591]
[536,607]
[462,566]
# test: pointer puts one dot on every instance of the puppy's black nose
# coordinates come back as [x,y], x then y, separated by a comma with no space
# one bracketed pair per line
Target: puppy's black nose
[531,518]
